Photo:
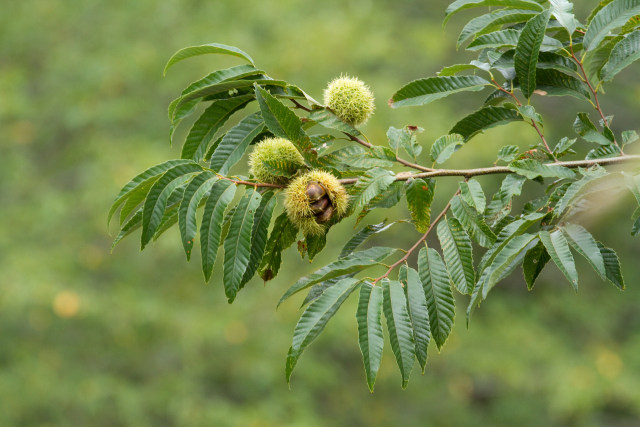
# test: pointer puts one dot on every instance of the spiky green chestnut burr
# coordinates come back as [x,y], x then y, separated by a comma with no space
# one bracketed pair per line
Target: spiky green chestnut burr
[313,199]
[273,149]
[350,99]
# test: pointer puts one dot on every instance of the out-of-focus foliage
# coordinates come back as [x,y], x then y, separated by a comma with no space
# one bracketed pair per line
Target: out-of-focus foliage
[90,338]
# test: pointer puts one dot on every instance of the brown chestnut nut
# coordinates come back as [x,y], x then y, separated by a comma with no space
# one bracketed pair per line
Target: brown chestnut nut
[315,191]
[319,206]
[325,216]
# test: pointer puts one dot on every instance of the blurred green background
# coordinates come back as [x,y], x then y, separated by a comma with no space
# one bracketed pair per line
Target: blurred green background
[129,338]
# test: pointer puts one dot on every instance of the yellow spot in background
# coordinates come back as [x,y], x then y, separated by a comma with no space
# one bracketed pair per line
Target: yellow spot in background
[461,387]
[22,132]
[66,304]
[608,363]
[236,332]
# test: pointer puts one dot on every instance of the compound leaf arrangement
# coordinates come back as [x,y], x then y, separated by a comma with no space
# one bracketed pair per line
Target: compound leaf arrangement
[308,167]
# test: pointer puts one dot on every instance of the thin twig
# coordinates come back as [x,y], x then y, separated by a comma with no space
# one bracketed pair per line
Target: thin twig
[418,243]
[398,159]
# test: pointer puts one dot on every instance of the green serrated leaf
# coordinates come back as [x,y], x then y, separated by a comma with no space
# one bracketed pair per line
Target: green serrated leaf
[471,192]
[562,10]
[235,142]
[437,290]
[558,249]
[145,178]
[237,245]
[420,194]
[532,169]
[281,121]
[370,338]
[220,196]
[624,53]
[493,20]
[459,5]
[445,146]
[129,227]
[500,204]
[508,153]
[394,305]
[406,138]
[424,91]
[551,82]
[505,261]
[370,185]
[574,190]
[205,128]
[315,318]
[282,236]
[355,262]
[156,201]
[197,189]
[584,243]
[534,261]
[418,312]
[485,118]
[362,235]
[587,130]
[472,222]
[326,118]
[190,51]
[527,50]
[612,266]
[611,16]
[458,254]
[259,233]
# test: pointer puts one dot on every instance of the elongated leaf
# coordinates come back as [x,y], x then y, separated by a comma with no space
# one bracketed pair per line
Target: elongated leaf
[551,82]
[362,235]
[550,60]
[505,235]
[281,121]
[558,249]
[437,290]
[587,130]
[563,12]
[493,20]
[326,118]
[584,243]
[193,194]
[458,254]
[532,169]
[612,266]
[129,227]
[218,91]
[371,184]
[190,51]
[509,38]
[420,194]
[459,5]
[625,52]
[613,15]
[424,91]
[506,260]
[355,262]
[526,57]
[220,196]
[259,234]
[235,142]
[472,222]
[315,318]
[445,146]
[500,204]
[156,201]
[419,314]
[370,338]
[452,70]
[406,138]
[140,180]
[399,327]
[483,119]
[574,190]
[237,245]
[471,192]
[205,128]
[282,236]
[170,215]
[534,261]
